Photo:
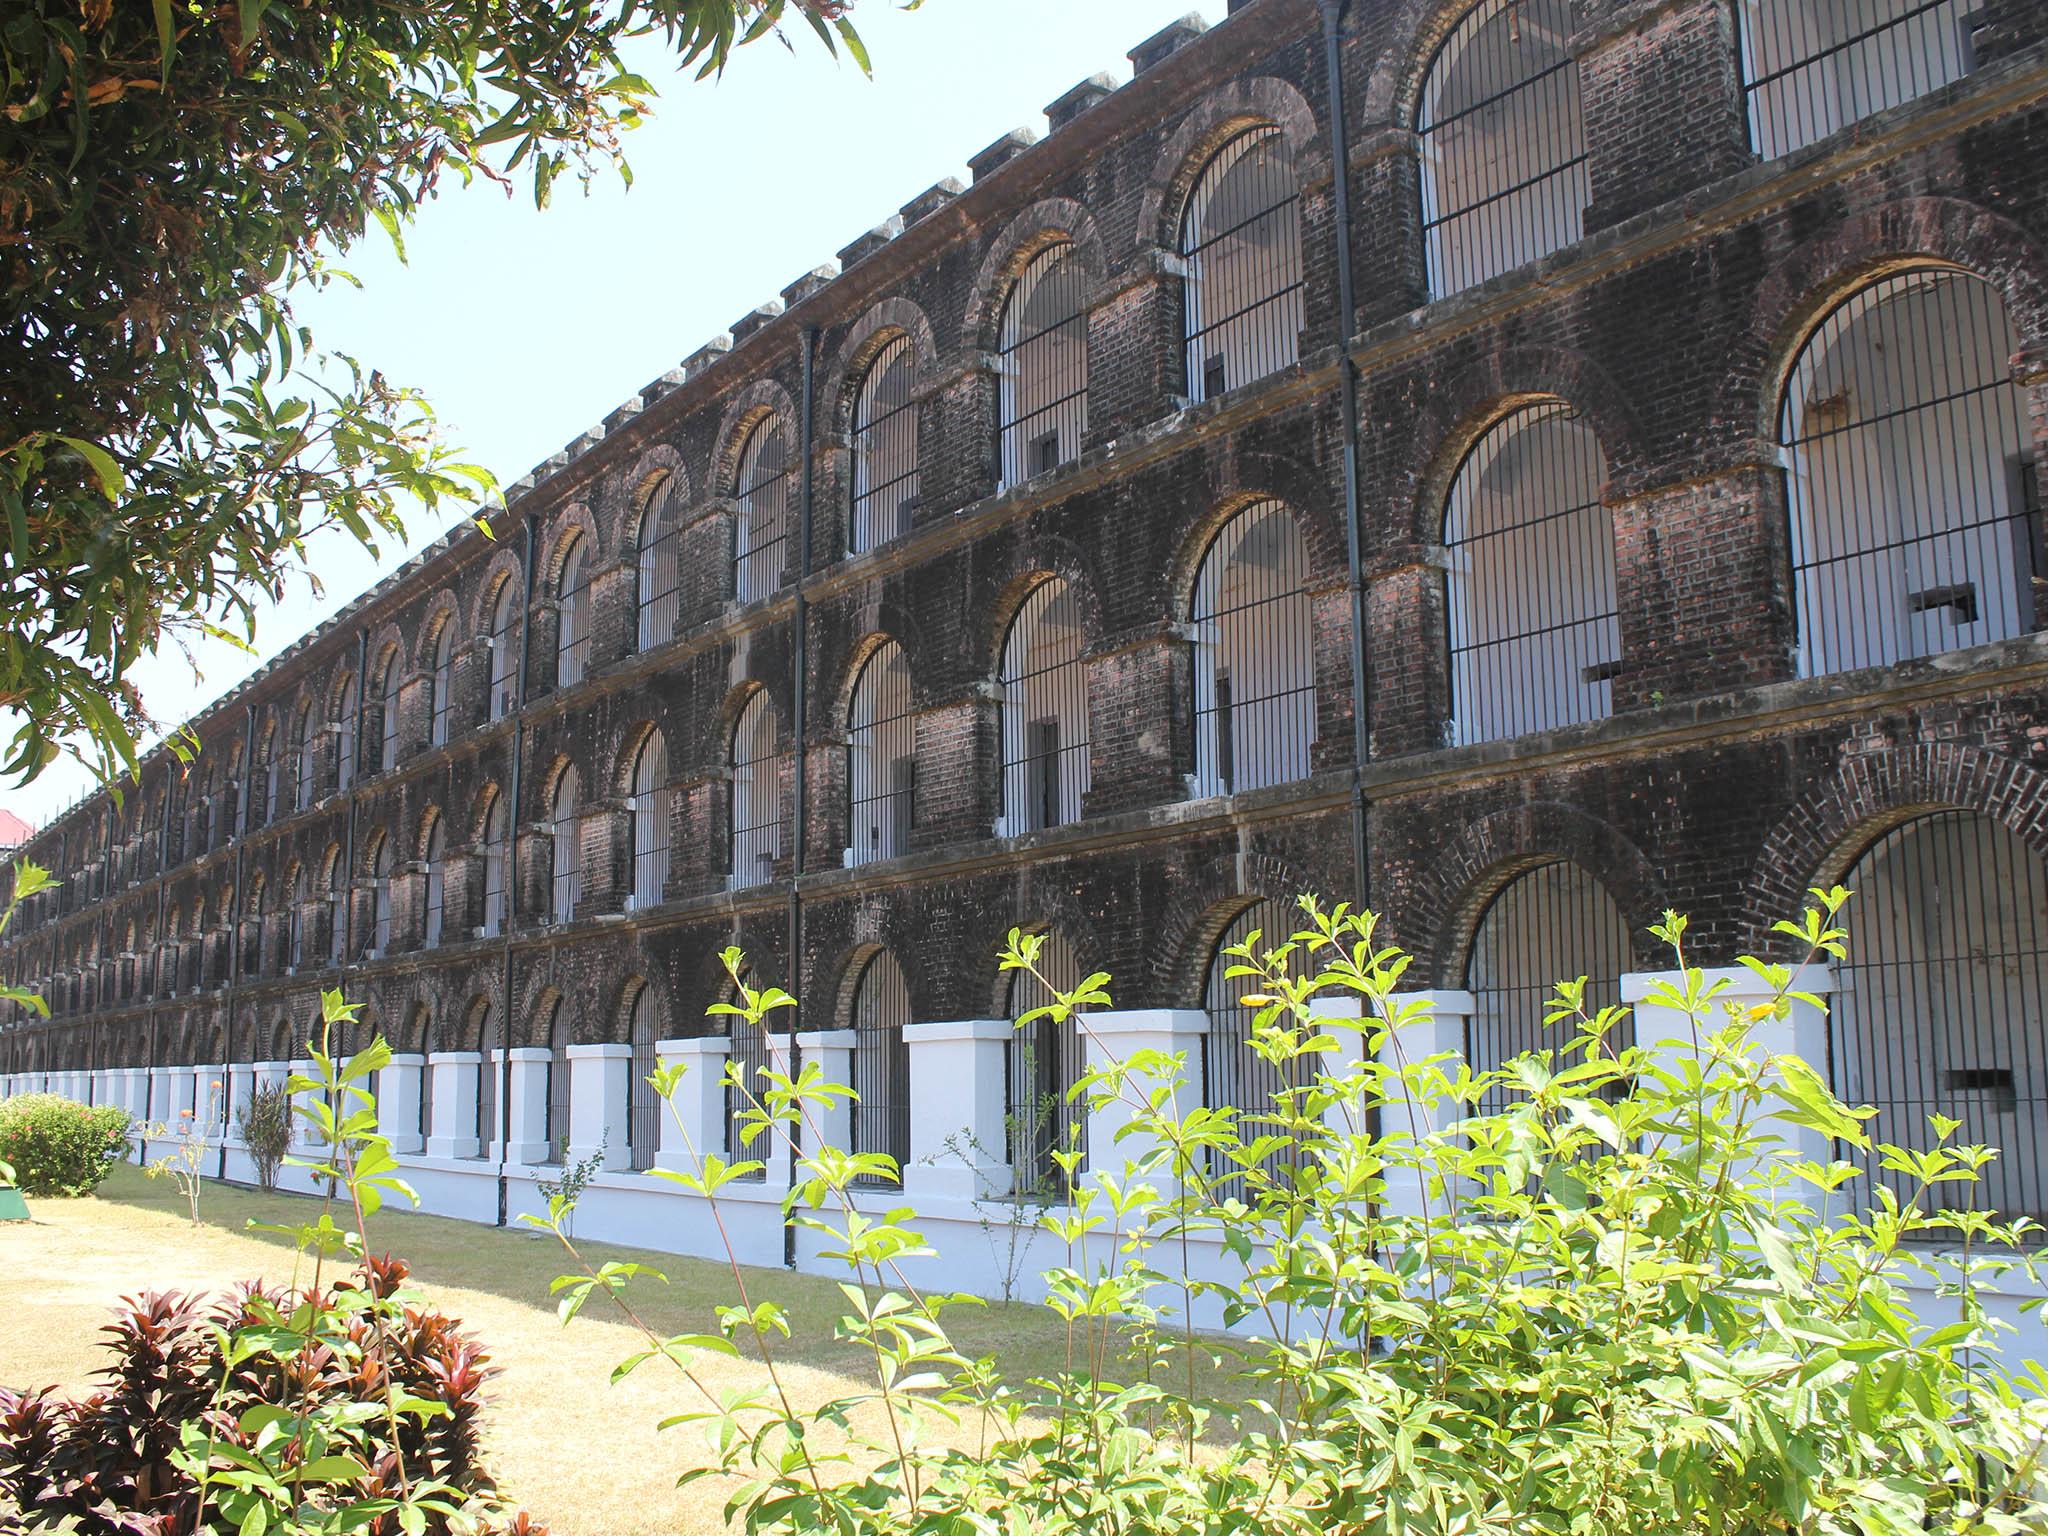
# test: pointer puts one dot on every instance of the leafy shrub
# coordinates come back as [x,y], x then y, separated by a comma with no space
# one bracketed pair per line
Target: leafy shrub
[59,1146]
[1606,1313]
[265,1126]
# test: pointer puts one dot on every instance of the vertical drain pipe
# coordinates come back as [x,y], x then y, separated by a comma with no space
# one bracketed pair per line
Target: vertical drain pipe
[1347,371]
[799,707]
[503,1121]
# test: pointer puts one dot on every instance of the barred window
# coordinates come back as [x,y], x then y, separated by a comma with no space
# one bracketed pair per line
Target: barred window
[761,545]
[748,1058]
[1046,1059]
[1045,712]
[1553,922]
[295,920]
[1941,1007]
[387,755]
[1042,365]
[345,734]
[1254,674]
[380,891]
[566,844]
[1914,500]
[484,1031]
[885,448]
[1503,147]
[758,764]
[643,1105]
[1241,238]
[437,882]
[443,680]
[1811,69]
[555,1131]
[881,1064]
[658,568]
[1234,1074]
[504,664]
[650,815]
[881,762]
[497,854]
[1529,579]
[337,910]
[572,630]
[309,758]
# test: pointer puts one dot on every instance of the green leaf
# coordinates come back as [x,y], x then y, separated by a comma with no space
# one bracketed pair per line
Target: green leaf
[104,469]
[166,39]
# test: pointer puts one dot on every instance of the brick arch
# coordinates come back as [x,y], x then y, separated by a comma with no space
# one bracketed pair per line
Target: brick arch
[1044,223]
[486,796]
[423,827]
[726,718]
[644,978]
[1038,558]
[462,1029]
[386,642]
[659,463]
[531,1031]
[625,749]
[1051,911]
[503,566]
[564,528]
[839,701]
[415,1035]
[549,780]
[1393,88]
[877,928]
[1230,107]
[1325,544]
[1864,796]
[442,608]
[1467,871]
[1202,909]
[887,319]
[743,412]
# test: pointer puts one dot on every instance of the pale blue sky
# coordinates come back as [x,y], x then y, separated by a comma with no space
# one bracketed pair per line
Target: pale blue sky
[523,328]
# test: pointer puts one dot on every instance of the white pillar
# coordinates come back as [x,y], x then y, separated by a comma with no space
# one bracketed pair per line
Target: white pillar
[399,1096]
[832,1050]
[959,1146]
[696,1126]
[241,1087]
[527,1115]
[305,1136]
[1117,1036]
[454,1087]
[1441,1031]
[160,1109]
[600,1079]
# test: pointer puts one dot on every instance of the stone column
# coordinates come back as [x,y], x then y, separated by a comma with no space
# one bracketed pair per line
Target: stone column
[1442,1031]
[697,1128]
[454,1087]
[399,1099]
[305,1138]
[526,1117]
[959,1149]
[1119,1035]
[832,1050]
[1140,738]
[600,1079]
[241,1086]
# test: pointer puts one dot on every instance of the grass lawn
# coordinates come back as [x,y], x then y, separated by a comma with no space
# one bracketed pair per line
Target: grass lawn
[581,1454]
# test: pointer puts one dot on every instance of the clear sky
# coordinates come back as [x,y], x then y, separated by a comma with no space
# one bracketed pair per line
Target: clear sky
[524,327]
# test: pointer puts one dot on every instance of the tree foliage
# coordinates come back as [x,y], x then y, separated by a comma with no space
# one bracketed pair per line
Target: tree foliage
[171,174]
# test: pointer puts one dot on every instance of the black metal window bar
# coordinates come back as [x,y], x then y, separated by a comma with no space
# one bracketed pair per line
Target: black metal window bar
[1254,671]
[650,818]
[380,897]
[758,766]
[643,1106]
[309,758]
[1042,365]
[766,481]
[1812,69]
[1909,482]
[345,739]
[488,1044]
[1503,147]
[1234,1074]
[566,838]
[504,664]
[337,909]
[295,922]
[1554,922]
[1045,712]
[572,615]
[387,747]
[556,1132]
[497,848]
[1941,1006]
[1529,579]
[881,1064]
[659,576]
[437,884]
[885,480]
[747,1057]
[1241,238]
[1044,1062]
[881,765]
[443,683]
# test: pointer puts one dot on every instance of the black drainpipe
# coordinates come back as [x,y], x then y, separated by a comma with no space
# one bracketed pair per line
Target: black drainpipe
[235,920]
[1347,373]
[799,708]
[503,1122]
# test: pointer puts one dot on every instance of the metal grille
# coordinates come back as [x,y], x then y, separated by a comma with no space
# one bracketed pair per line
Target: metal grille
[380,890]
[761,543]
[572,628]
[881,1063]
[757,768]
[1241,237]
[443,682]
[885,448]
[748,1057]
[1234,1075]
[659,571]
[295,922]
[650,821]
[1914,527]
[1552,923]
[1044,1062]
[387,753]
[1811,69]
[1942,1004]
[567,846]
[337,910]
[488,1045]
[504,665]
[1529,579]
[881,768]
[1042,365]
[1504,176]
[345,740]
[437,884]
[497,843]
[309,759]
[1045,712]
[556,1132]
[1254,673]
[643,1106]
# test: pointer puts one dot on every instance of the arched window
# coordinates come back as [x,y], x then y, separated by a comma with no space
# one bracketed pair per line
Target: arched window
[1241,238]
[484,1031]
[346,710]
[337,910]
[884,448]
[1914,500]
[572,608]
[443,680]
[387,755]
[1553,922]
[1046,1060]
[1042,365]
[380,886]
[881,765]
[650,821]
[658,569]
[555,1133]
[1811,69]
[567,845]
[295,919]
[309,757]
[761,542]
[1529,578]
[1504,177]
[497,849]
[881,1063]
[504,663]
[1234,1074]
[1255,679]
[437,884]
[748,1057]
[757,769]
[643,1105]
[1045,712]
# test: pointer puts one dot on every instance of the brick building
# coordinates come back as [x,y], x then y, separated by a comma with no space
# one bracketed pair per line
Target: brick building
[1646,398]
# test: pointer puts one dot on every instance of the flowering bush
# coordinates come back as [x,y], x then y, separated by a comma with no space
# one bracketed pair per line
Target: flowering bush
[59,1146]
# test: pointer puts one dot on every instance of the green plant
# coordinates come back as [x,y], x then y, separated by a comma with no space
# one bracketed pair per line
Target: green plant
[1610,1312]
[185,1163]
[59,1146]
[264,1125]
[563,1193]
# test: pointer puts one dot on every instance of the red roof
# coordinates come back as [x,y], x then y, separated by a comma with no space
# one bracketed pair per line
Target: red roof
[13,830]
